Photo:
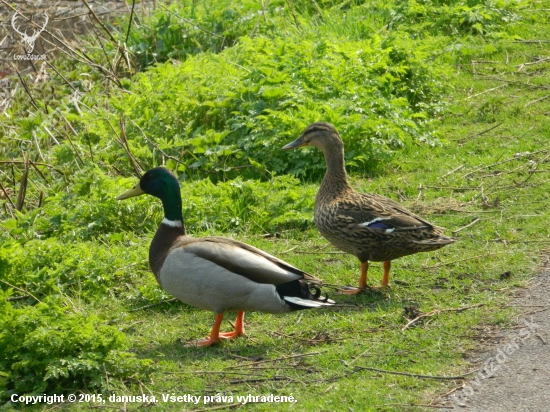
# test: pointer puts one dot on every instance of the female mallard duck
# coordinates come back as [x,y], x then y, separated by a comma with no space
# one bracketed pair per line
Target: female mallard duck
[369,226]
[217,273]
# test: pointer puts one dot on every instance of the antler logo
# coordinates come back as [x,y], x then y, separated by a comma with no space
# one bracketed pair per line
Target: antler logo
[29,40]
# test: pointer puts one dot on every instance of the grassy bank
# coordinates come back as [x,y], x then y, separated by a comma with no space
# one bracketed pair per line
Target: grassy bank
[442,107]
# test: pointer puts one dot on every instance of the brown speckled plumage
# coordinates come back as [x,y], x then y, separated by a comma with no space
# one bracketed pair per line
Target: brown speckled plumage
[369,226]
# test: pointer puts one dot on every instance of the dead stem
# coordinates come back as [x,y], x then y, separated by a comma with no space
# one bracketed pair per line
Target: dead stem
[416,375]
[70,140]
[7,195]
[154,304]
[275,360]
[27,90]
[23,187]
[486,91]
[460,260]
[21,290]
[462,140]
[232,405]
[416,405]
[536,101]
[437,311]
[156,146]
[272,378]
[100,22]
[453,171]
[473,222]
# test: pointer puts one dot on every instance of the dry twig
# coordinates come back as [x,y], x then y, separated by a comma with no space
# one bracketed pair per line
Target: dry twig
[152,305]
[452,171]
[486,91]
[473,222]
[463,139]
[460,260]
[23,187]
[274,360]
[537,100]
[437,311]
[21,290]
[416,375]
[232,405]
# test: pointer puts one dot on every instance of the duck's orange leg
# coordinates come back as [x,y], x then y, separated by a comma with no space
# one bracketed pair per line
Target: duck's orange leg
[362,281]
[214,334]
[239,328]
[386,278]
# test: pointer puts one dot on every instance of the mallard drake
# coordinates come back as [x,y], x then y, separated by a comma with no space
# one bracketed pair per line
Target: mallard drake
[218,273]
[369,226]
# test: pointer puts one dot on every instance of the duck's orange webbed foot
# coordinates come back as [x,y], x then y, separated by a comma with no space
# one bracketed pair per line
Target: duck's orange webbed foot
[349,290]
[216,336]
[200,343]
[239,328]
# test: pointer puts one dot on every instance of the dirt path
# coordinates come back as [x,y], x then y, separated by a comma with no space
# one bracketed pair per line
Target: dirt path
[514,373]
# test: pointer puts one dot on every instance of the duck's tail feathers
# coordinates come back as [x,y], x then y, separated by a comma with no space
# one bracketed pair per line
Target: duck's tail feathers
[301,303]
[299,294]
[439,241]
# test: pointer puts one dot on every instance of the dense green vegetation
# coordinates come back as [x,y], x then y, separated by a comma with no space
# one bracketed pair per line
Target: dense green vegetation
[442,106]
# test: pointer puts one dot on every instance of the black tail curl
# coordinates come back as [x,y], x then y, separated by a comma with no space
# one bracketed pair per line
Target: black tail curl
[315,294]
[302,289]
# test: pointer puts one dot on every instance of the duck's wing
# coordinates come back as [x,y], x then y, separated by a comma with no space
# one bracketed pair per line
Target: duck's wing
[377,212]
[243,259]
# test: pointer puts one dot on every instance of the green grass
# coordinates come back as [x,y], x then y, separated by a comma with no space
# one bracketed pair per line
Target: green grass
[84,254]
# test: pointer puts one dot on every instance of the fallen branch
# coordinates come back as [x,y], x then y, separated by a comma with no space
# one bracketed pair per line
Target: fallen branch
[531,41]
[232,405]
[155,304]
[537,100]
[416,375]
[452,171]
[462,140]
[21,290]
[271,378]
[437,311]
[486,91]
[532,86]
[454,188]
[460,260]
[473,222]
[274,360]
[7,195]
[416,405]
[14,298]
[289,250]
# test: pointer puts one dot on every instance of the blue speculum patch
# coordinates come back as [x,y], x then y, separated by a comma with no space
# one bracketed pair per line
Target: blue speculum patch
[378,225]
